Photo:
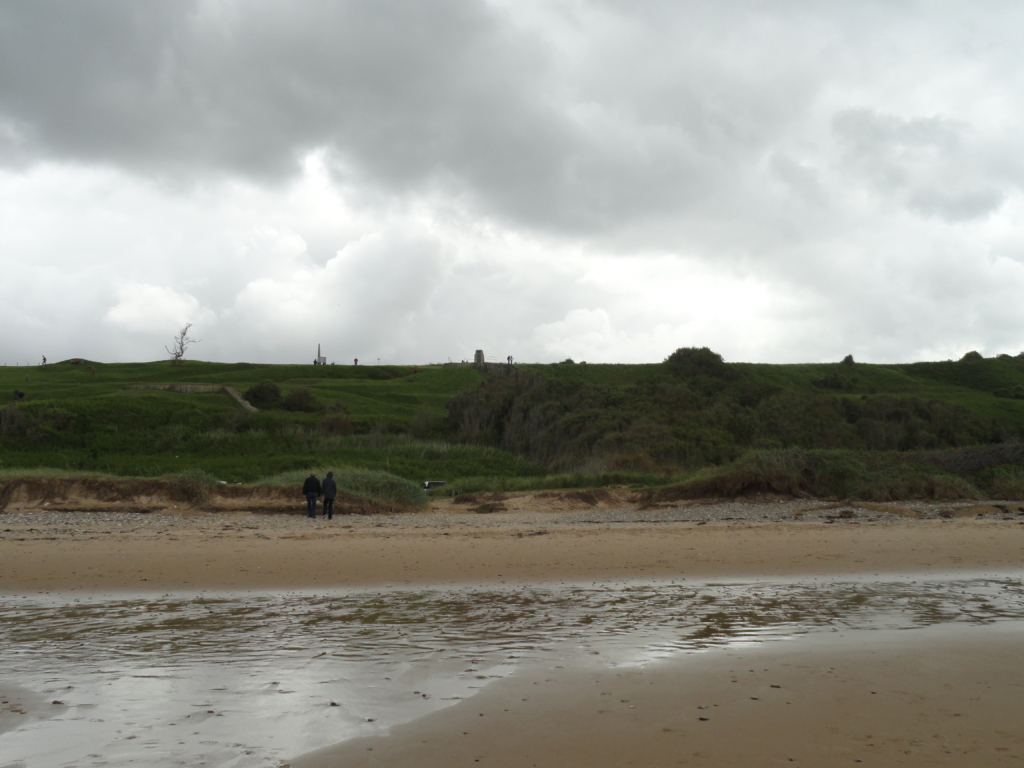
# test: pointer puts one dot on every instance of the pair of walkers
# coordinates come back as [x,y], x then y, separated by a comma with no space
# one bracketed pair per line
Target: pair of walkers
[313,489]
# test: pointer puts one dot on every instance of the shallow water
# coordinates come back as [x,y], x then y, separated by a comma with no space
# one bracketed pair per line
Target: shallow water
[250,680]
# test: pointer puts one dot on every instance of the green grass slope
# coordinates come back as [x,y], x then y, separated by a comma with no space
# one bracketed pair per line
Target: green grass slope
[74,420]
[541,426]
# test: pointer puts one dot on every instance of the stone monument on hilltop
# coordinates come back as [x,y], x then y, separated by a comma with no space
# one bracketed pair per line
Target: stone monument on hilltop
[320,360]
[478,357]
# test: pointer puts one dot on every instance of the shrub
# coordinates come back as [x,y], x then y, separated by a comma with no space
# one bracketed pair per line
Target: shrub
[266,394]
[971,356]
[693,361]
[848,360]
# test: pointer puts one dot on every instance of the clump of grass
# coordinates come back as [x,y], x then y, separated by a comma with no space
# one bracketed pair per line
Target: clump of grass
[1004,482]
[8,472]
[193,485]
[380,486]
[375,485]
[507,484]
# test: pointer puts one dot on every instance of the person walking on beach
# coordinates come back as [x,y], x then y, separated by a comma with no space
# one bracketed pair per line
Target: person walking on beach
[329,489]
[311,490]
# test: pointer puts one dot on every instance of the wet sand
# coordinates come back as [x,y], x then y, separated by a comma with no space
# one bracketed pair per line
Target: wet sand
[88,551]
[932,697]
[937,696]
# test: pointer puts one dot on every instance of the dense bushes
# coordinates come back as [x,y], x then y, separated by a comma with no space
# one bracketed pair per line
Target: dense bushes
[823,474]
[267,394]
[694,361]
[705,416]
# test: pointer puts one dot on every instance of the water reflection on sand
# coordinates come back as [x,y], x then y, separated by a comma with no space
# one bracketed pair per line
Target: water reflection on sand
[247,680]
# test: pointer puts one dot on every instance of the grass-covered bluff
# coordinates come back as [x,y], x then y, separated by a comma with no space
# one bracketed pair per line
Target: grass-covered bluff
[845,429]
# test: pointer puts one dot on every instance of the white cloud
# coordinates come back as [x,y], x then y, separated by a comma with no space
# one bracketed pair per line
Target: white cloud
[153,309]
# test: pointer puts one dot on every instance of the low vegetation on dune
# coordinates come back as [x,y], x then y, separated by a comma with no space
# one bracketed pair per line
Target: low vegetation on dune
[694,423]
[970,473]
[368,483]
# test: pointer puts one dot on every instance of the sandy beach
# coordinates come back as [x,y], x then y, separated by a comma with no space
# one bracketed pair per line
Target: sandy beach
[941,695]
[43,550]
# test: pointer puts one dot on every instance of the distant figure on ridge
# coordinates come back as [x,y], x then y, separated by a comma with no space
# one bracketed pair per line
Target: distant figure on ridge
[356,361]
[329,489]
[311,490]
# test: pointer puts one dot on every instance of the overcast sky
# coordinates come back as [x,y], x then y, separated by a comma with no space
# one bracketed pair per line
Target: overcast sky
[411,180]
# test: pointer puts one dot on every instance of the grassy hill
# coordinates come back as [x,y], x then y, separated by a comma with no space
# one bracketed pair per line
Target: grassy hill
[658,423]
[74,420]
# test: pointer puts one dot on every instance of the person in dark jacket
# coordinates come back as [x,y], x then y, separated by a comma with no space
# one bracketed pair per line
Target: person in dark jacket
[311,490]
[329,490]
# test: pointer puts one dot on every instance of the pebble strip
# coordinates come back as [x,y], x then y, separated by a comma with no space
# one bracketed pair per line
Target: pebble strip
[45,524]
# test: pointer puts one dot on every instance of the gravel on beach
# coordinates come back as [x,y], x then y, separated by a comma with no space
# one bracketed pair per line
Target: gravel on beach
[43,523]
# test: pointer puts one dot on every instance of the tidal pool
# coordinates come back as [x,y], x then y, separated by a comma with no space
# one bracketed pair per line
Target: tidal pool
[221,679]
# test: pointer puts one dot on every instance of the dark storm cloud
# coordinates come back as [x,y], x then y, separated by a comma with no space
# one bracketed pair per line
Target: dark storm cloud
[408,96]
[576,117]
[400,90]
